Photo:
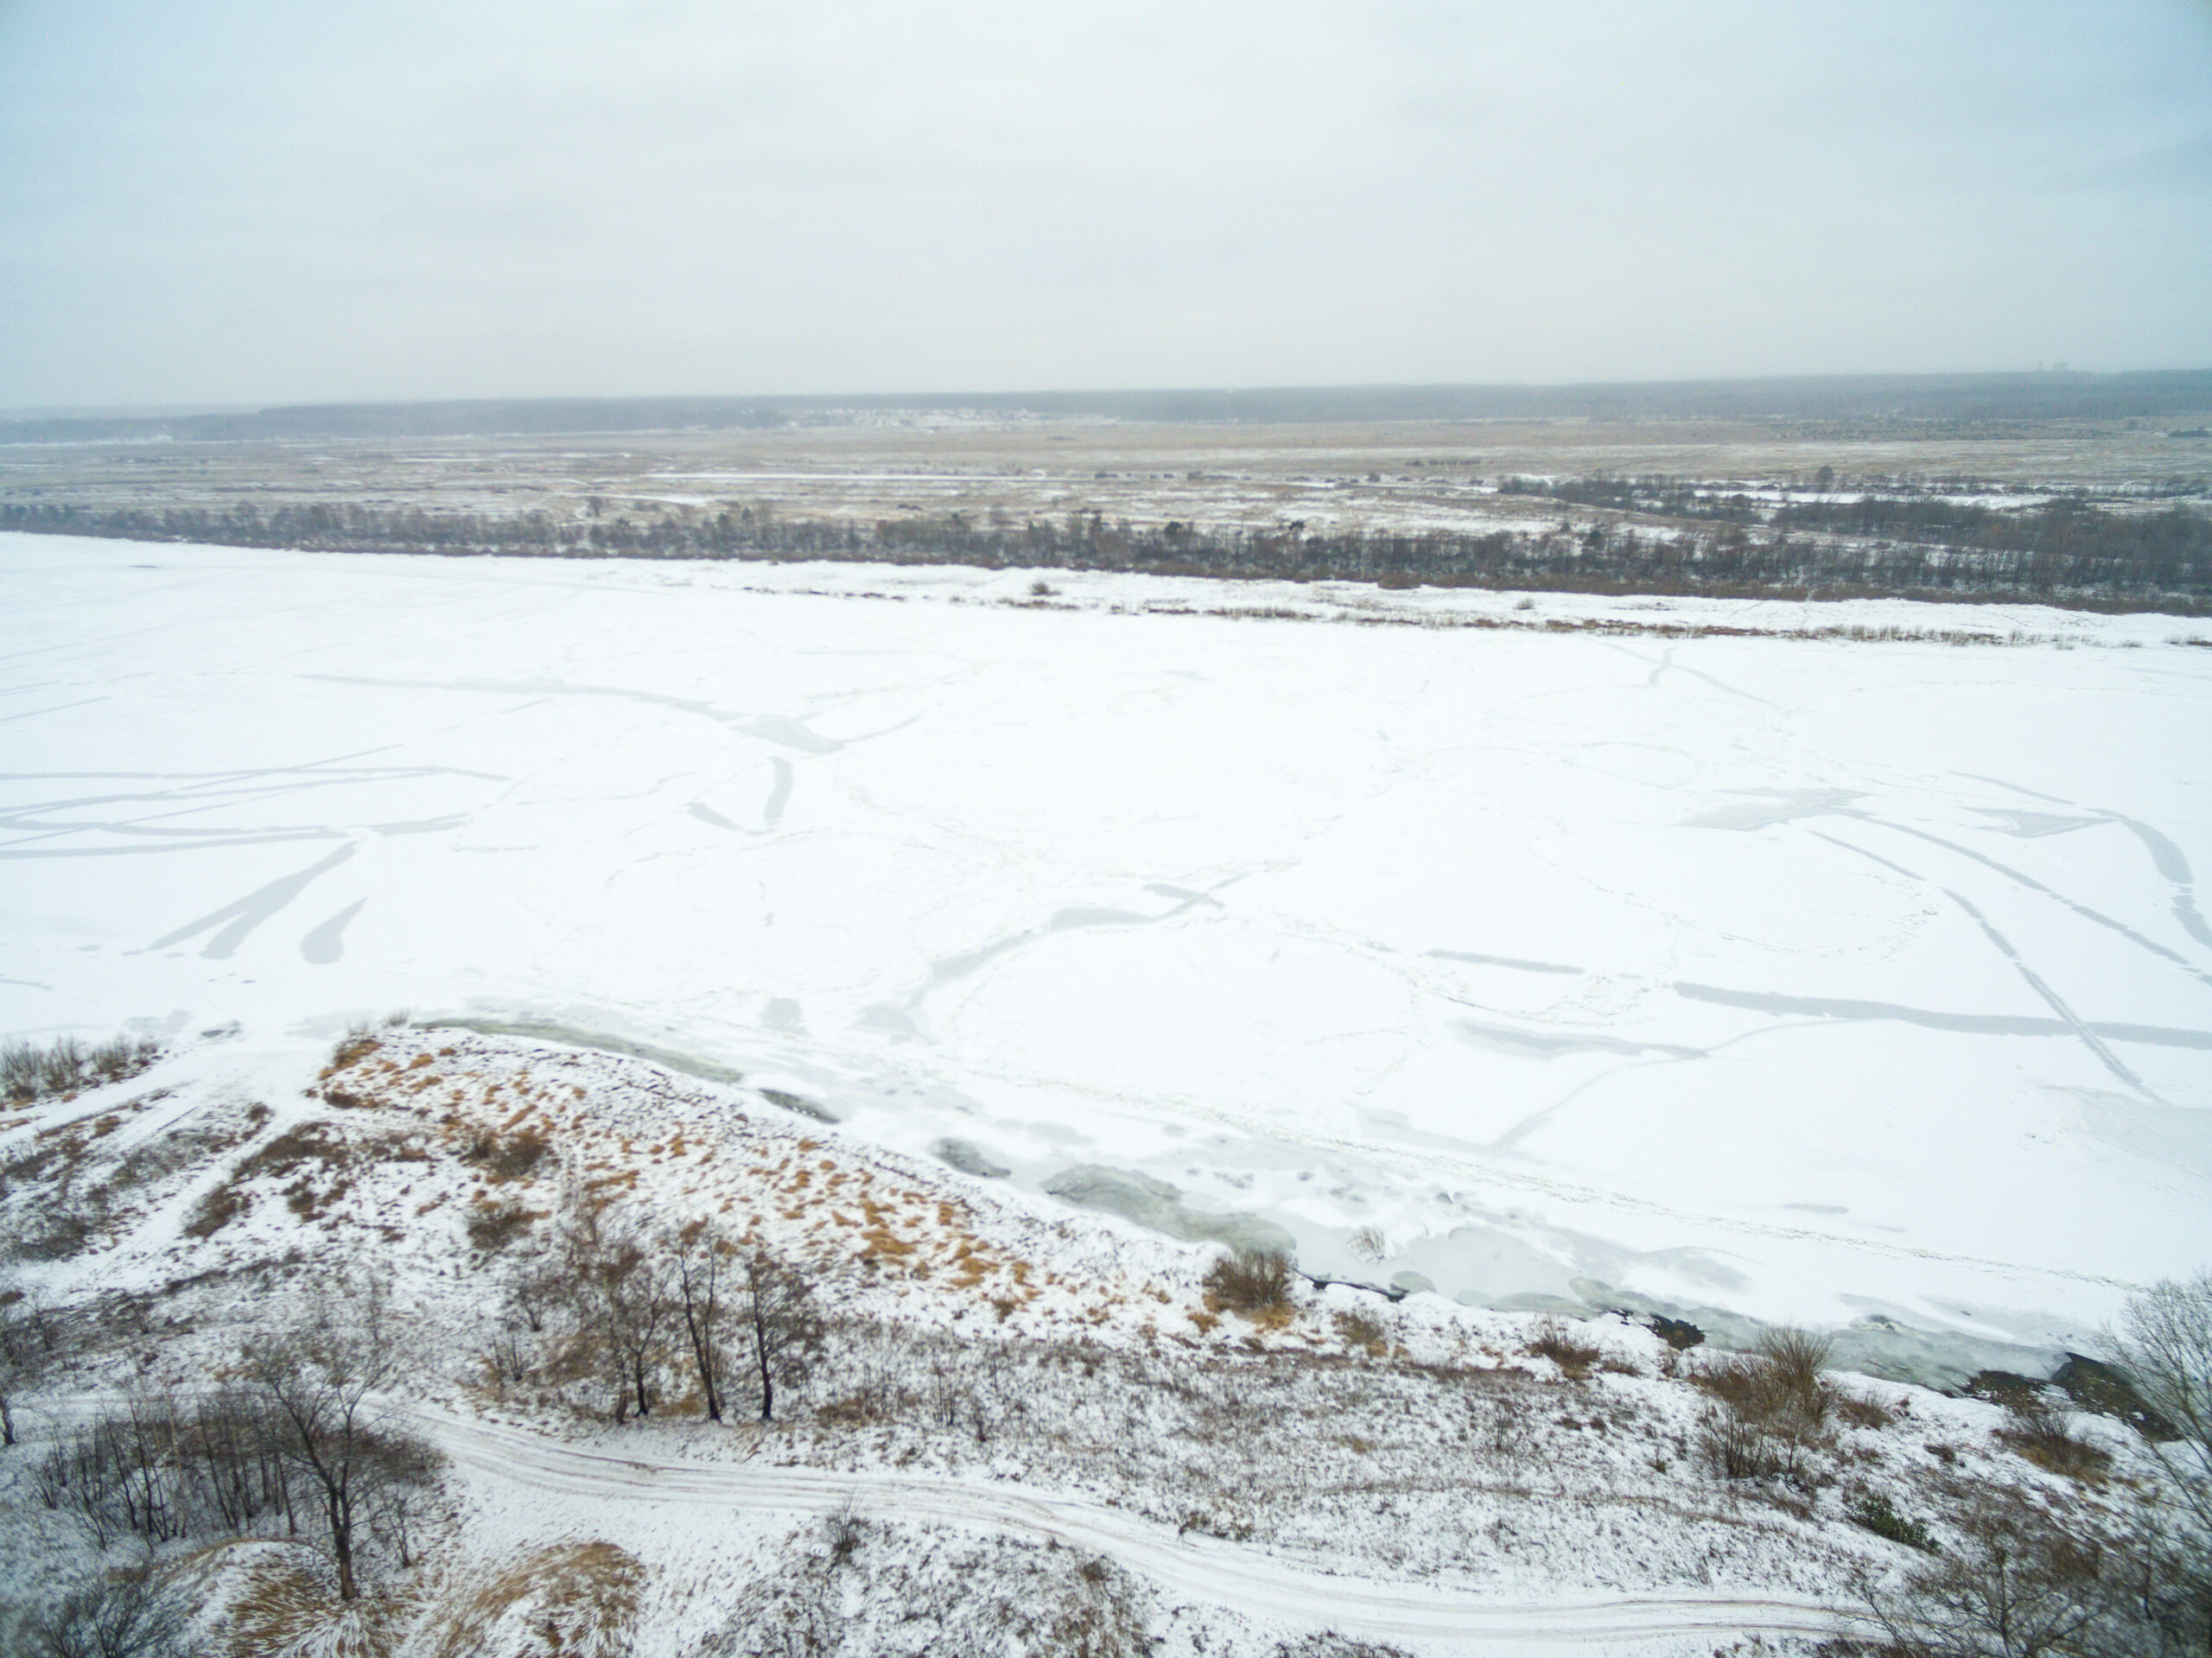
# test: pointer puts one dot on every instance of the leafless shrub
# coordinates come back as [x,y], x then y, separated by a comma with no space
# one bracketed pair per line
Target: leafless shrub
[29,1071]
[2019,1586]
[122,1057]
[62,1228]
[1250,1281]
[1796,1359]
[29,1348]
[843,1532]
[1771,1411]
[1551,1339]
[161,1467]
[1099,1615]
[20,1071]
[120,1615]
[2039,1432]
[492,1227]
[506,1354]
[1369,1243]
[63,1066]
[1736,1447]
[2164,1343]
[537,1291]
[1757,1387]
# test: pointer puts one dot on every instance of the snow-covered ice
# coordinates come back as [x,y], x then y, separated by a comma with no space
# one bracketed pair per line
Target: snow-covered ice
[1791,978]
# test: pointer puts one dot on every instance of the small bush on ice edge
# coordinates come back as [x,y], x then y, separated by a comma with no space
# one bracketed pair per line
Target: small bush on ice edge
[1573,1356]
[1255,1282]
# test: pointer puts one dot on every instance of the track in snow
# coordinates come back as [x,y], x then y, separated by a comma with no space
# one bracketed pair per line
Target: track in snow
[1190,1567]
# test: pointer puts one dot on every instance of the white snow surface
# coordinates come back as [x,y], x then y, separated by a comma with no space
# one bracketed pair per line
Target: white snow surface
[1652,957]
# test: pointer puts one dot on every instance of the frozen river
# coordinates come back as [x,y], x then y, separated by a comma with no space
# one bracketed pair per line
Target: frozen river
[1795,978]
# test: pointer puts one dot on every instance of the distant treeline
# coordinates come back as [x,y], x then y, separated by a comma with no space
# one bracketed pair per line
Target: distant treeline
[2070,553]
[1973,399]
[2065,543]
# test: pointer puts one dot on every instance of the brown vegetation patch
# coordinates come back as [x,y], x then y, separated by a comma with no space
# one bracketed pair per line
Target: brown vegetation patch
[2038,1432]
[1574,1356]
[1255,1282]
[1872,1414]
[492,1227]
[578,1599]
[286,1608]
[215,1210]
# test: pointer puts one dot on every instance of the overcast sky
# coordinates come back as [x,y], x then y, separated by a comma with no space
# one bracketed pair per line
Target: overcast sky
[253,200]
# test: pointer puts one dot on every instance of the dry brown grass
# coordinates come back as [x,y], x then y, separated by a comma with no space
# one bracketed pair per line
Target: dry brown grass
[493,1226]
[1574,1356]
[1359,1330]
[285,1611]
[215,1210]
[579,1600]
[2038,1432]
[1854,1412]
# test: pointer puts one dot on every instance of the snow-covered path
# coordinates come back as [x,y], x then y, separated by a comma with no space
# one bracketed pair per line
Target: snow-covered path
[1806,979]
[1188,1568]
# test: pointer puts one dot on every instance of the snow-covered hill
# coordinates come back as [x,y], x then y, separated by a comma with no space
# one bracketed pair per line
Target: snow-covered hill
[1018,1426]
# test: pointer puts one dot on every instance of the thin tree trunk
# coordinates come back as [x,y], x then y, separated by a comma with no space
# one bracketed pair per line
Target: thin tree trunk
[762,1357]
[341,1545]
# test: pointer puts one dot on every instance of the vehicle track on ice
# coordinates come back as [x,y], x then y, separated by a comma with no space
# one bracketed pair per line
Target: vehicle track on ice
[1201,1569]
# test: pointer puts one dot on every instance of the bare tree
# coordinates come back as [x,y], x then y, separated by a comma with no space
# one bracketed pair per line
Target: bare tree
[624,1297]
[2021,1587]
[2023,1581]
[126,1616]
[2164,1343]
[781,1324]
[240,1469]
[704,1264]
[319,1390]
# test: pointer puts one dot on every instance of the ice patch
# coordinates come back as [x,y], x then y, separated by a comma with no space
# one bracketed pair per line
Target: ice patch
[326,944]
[1156,1205]
[1550,1044]
[1783,806]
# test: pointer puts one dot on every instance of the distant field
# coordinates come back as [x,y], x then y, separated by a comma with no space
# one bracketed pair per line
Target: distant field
[1733,507]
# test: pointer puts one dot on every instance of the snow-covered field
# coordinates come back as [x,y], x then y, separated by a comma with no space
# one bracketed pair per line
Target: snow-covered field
[1770,976]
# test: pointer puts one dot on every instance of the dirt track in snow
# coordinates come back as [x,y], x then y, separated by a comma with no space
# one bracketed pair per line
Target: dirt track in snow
[1189,1567]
